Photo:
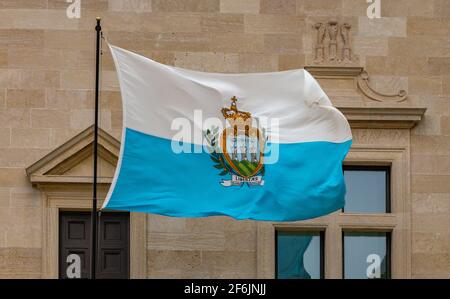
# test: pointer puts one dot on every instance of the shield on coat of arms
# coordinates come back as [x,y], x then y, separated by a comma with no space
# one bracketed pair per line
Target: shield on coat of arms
[243,150]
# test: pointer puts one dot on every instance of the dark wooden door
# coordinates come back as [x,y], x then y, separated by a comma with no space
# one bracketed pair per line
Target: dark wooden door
[113,243]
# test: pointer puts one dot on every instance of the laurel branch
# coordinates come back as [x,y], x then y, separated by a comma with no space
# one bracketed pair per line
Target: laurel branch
[212,137]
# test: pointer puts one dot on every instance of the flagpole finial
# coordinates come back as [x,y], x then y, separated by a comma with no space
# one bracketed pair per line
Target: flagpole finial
[98,27]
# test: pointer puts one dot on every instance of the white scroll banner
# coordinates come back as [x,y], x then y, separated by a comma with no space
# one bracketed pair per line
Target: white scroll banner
[239,181]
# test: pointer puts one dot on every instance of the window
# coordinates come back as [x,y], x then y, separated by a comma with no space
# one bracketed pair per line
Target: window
[367,189]
[300,255]
[366,255]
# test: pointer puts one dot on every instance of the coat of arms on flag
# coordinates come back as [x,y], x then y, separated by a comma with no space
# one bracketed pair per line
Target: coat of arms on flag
[238,150]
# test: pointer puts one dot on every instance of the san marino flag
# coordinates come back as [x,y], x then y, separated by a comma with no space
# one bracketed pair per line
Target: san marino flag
[266,146]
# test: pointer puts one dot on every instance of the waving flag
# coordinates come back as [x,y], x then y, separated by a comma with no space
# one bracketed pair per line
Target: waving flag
[265,146]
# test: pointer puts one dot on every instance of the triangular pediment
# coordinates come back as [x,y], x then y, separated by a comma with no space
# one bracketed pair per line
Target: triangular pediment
[72,162]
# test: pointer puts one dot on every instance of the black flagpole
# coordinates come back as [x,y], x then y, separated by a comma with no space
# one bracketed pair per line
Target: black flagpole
[94,217]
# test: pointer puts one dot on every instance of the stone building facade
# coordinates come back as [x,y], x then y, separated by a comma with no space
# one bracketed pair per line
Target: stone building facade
[390,76]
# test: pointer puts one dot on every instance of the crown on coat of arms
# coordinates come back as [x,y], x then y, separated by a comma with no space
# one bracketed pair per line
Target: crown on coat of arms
[233,112]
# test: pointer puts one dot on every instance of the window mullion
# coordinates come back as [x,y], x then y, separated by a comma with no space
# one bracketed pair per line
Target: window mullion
[333,250]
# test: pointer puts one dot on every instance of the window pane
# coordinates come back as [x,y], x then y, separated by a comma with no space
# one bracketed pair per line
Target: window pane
[299,255]
[366,189]
[366,255]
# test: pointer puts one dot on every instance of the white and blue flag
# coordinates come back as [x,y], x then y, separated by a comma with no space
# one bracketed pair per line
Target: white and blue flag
[265,146]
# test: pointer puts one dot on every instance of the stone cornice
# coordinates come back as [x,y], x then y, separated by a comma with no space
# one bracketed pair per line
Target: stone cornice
[383,117]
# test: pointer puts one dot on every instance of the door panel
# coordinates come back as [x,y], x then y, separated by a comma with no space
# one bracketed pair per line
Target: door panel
[113,243]
[113,236]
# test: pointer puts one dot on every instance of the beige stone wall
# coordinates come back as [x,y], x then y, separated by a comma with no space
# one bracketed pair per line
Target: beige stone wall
[46,82]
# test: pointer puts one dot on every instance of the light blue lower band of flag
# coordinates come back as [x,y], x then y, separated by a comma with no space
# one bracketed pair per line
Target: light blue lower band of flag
[306,182]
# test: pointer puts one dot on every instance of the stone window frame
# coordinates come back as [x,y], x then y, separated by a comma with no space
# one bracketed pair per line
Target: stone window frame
[397,222]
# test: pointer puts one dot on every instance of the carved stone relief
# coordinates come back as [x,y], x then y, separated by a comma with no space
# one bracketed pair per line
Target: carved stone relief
[333,45]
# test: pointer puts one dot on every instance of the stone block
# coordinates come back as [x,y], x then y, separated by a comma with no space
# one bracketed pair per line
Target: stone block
[50,118]
[431,184]
[25,198]
[77,79]
[255,63]
[428,265]
[25,98]
[116,120]
[30,138]
[277,24]
[15,118]
[69,39]
[85,5]
[430,164]
[34,4]
[17,38]
[284,7]
[10,78]
[283,44]
[395,8]
[425,85]
[179,260]
[435,145]
[244,240]
[383,27]
[430,203]
[186,5]
[428,26]
[329,8]
[83,118]
[5,137]
[218,225]
[237,43]
[20,157]
[158,223]
[234,261]
[240,6]
[71,99]
[223,23]
[186,241]
[446,86]
[290,62]
[5,195]
[23,236]
[36,19]
[441,8]
[20,262]
[430,243]
[3,58]
[370,46]
[37,79]
[209,62]
[130,5]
